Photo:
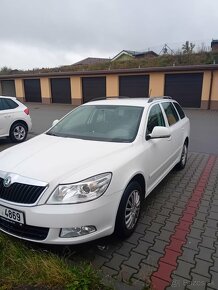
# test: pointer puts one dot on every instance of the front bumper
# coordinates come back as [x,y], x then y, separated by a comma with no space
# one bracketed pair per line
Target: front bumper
[48,220]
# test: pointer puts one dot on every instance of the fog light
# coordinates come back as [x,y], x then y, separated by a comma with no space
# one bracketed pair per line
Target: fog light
[77,231]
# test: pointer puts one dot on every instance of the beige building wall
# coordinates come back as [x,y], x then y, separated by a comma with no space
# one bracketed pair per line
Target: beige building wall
[156,84]
[19,89]
[205,90]
[76,90]
[112,85]
[45,90]
[214,92]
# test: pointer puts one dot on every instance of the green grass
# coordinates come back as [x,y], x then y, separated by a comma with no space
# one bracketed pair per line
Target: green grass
[22,266]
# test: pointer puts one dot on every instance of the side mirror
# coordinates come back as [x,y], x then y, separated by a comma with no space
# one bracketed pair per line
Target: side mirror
[159,132]
[55,122]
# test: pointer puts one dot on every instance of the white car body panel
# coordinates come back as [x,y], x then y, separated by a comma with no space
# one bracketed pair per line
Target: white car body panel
[60,160]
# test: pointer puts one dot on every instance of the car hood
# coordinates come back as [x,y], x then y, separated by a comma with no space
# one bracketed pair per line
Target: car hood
[48,158]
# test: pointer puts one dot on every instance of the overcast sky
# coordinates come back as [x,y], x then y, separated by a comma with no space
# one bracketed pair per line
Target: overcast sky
[48,33]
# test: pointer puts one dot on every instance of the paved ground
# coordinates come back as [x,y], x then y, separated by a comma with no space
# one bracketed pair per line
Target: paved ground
[175,245]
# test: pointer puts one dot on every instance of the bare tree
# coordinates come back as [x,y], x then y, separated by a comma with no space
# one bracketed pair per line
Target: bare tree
[188,47]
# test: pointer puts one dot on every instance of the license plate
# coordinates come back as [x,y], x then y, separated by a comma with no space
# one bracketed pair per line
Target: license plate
[11,214]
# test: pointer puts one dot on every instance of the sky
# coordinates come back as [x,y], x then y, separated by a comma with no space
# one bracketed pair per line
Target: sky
[50,33]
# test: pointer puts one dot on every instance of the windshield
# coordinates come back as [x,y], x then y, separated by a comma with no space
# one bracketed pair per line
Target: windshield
[101,123]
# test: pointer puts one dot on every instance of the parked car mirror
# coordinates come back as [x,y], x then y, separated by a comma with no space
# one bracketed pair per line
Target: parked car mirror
[55,122]
[159,132]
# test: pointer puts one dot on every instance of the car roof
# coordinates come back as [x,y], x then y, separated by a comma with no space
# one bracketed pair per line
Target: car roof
[8,97]
[125,101]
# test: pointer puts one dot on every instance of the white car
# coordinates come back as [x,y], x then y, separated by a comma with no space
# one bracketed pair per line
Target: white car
[86,177]
[15,121]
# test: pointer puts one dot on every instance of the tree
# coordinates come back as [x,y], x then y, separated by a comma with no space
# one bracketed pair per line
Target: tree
[188,47]
[5,70]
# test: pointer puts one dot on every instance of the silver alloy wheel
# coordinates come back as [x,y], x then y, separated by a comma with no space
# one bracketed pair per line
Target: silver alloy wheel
[184,154]
[132,209]
[19,132]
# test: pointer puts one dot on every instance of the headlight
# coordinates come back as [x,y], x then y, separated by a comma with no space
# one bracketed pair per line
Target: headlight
[82,191]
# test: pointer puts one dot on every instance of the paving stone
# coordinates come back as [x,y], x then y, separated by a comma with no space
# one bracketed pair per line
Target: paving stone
[210,232]
[169,226]
[153,258]
[205,254]
[145,272]
[195,233]
[108,271]
[139,285]
[125,249]
[212,224]
[203,209]
[149,237]
[134,238]
[213,216]
[173,218]
[164,235]
[215,265]
[188,255]
[159,246]
[182,204]
[214,280]
[99,261]
[192,243]
[141,228]
[165,212]
[183,270]
[147,220]
[198,282]
[161,219]
[169,205]
[126,273]
[134,260]
[198,224]
[205,203]
[116,261]
[214,208]
[178,283]
[208,242]
[155,227]
[142,247]
[202,268]
[158,283]
[178,211]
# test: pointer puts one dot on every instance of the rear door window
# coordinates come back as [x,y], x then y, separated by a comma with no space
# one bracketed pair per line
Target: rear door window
[7,104]
[171,113]
[179,110]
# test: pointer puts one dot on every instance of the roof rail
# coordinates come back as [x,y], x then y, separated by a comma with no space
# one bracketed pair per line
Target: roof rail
[158,98]
[107,98]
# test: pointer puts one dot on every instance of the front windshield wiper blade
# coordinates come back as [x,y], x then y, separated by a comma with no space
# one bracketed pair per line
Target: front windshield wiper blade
[52,134]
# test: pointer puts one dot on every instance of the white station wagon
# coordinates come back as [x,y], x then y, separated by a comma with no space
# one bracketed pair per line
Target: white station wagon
[86,177]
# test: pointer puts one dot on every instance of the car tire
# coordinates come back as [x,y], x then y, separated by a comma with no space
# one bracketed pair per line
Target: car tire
[129,210]
[18,132]
[183,159]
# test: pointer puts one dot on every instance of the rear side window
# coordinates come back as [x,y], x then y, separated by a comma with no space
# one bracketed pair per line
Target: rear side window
[155,118]
[171,113]
[7,104]
[179,110]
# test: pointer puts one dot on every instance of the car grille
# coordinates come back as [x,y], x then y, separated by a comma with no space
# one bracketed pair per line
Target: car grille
[24,231]
[20,193]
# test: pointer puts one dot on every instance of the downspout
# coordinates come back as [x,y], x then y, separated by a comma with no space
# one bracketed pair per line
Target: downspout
[210,92]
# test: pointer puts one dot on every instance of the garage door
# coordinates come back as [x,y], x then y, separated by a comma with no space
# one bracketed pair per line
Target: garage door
[32,90]
[185,88]
[8,88]
[93,88]
[60,90]
[134,86]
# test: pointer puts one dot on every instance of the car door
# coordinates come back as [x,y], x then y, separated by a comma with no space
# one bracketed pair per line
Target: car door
[176,130]
[158,150]
[5,116]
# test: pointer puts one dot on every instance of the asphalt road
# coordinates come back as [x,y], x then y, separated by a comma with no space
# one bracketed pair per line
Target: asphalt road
[204,125]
